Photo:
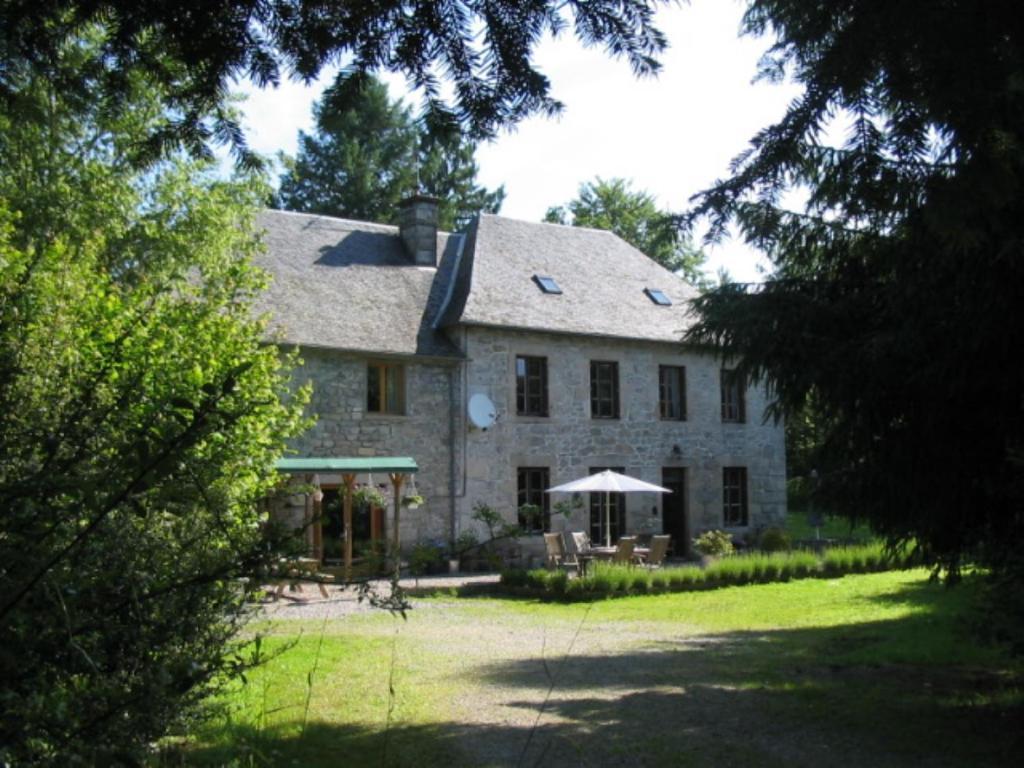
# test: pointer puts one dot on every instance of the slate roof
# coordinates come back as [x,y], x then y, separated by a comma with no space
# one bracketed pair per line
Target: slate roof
[601,276]
[349,285]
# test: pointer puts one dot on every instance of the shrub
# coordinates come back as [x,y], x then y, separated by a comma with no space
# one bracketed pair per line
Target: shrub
[659,581]
[601,581]
[621,578]
[150,413]
[774,540]
[425,557]
[514,578]
[557,582]
[537,579]
[640,581]
[714,543]
[575,588]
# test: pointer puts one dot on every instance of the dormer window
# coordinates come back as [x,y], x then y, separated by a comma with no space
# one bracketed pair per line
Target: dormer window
[658,297]
[547,284]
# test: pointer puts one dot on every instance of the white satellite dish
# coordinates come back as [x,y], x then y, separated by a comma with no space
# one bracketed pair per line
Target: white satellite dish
[482,411]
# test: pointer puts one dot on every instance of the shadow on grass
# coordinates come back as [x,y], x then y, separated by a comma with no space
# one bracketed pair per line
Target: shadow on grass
[899,692]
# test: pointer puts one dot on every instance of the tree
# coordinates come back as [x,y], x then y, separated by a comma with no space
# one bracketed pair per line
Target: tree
[140,418]
[894,302]
[368,153]
[194,50]
[635,217]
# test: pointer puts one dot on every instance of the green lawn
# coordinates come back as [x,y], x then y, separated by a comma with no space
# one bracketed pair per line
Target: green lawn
[871,670]
[799,528]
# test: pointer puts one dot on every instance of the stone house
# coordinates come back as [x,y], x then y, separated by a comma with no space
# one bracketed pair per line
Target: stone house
[571,335]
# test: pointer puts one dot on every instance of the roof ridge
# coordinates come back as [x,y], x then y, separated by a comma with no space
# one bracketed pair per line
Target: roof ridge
[340,220]
[550,224]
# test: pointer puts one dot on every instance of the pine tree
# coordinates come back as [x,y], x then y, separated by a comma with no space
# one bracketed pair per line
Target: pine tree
[368,153]
[895,301]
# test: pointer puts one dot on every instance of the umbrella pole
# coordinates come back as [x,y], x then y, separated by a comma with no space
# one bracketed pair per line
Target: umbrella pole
[607,518]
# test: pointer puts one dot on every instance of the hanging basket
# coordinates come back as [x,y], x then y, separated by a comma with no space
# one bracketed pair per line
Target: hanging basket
[369,496]
[412,501]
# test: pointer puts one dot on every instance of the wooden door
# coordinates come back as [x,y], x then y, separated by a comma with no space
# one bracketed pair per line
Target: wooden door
[673,509]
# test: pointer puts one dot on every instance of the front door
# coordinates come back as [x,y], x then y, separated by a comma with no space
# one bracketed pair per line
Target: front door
[615,513]
[673,505]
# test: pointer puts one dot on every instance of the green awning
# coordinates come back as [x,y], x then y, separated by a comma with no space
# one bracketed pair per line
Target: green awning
[346,465]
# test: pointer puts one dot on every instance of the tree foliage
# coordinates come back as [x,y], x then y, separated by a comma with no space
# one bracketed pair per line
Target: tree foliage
[368,153]
[894,304]
[194,49]
[634,216]
[140,417]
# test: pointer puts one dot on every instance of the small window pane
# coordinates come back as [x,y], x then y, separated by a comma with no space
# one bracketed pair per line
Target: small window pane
[672,392]
[734,496]
[604,389]
[733,406]
[531,386]
[385,388]
[532,482]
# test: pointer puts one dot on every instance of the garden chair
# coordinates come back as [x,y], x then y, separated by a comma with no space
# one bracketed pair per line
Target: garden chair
[624,551]
[555,549]
[659,548]
[581,541]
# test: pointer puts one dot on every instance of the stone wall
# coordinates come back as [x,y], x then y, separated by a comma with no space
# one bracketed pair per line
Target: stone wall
[345,428]
[570,442]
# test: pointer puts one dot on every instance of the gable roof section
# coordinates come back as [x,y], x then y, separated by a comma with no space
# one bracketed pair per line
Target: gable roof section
[602,279]
[349,285]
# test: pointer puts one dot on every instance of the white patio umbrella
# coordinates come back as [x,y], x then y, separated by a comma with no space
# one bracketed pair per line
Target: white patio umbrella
[608,482]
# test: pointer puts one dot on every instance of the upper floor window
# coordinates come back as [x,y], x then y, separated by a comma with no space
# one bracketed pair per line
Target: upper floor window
[604,389]
[672,392]
[531,482]
[385,388]
[733,407]
[531,386]
[734,496]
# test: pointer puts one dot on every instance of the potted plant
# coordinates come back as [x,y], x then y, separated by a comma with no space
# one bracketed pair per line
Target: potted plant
[412,501]
[369,496]
[713,544]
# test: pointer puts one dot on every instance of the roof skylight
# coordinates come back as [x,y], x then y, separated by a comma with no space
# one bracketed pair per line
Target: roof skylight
[547,284]
[658,297]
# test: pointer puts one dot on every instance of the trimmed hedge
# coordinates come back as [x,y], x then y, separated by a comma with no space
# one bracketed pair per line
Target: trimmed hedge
[607,580]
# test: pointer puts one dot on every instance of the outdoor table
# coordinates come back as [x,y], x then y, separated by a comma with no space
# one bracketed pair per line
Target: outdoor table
[607,553]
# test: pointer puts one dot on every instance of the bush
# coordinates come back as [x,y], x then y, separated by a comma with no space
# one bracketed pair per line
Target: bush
[601,581]
[714,543]
[640,581]
[774,540]
[514,578]
[557,582]
[537,579]
[426,558]
[150,414]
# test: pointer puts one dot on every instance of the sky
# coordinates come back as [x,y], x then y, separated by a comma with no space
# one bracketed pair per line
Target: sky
[672,135]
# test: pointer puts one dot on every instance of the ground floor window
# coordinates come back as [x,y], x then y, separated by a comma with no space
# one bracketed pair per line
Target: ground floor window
[734,496]
[532,482]
[612,521]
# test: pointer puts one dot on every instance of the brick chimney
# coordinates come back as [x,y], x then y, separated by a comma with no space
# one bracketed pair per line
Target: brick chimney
[417,223]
